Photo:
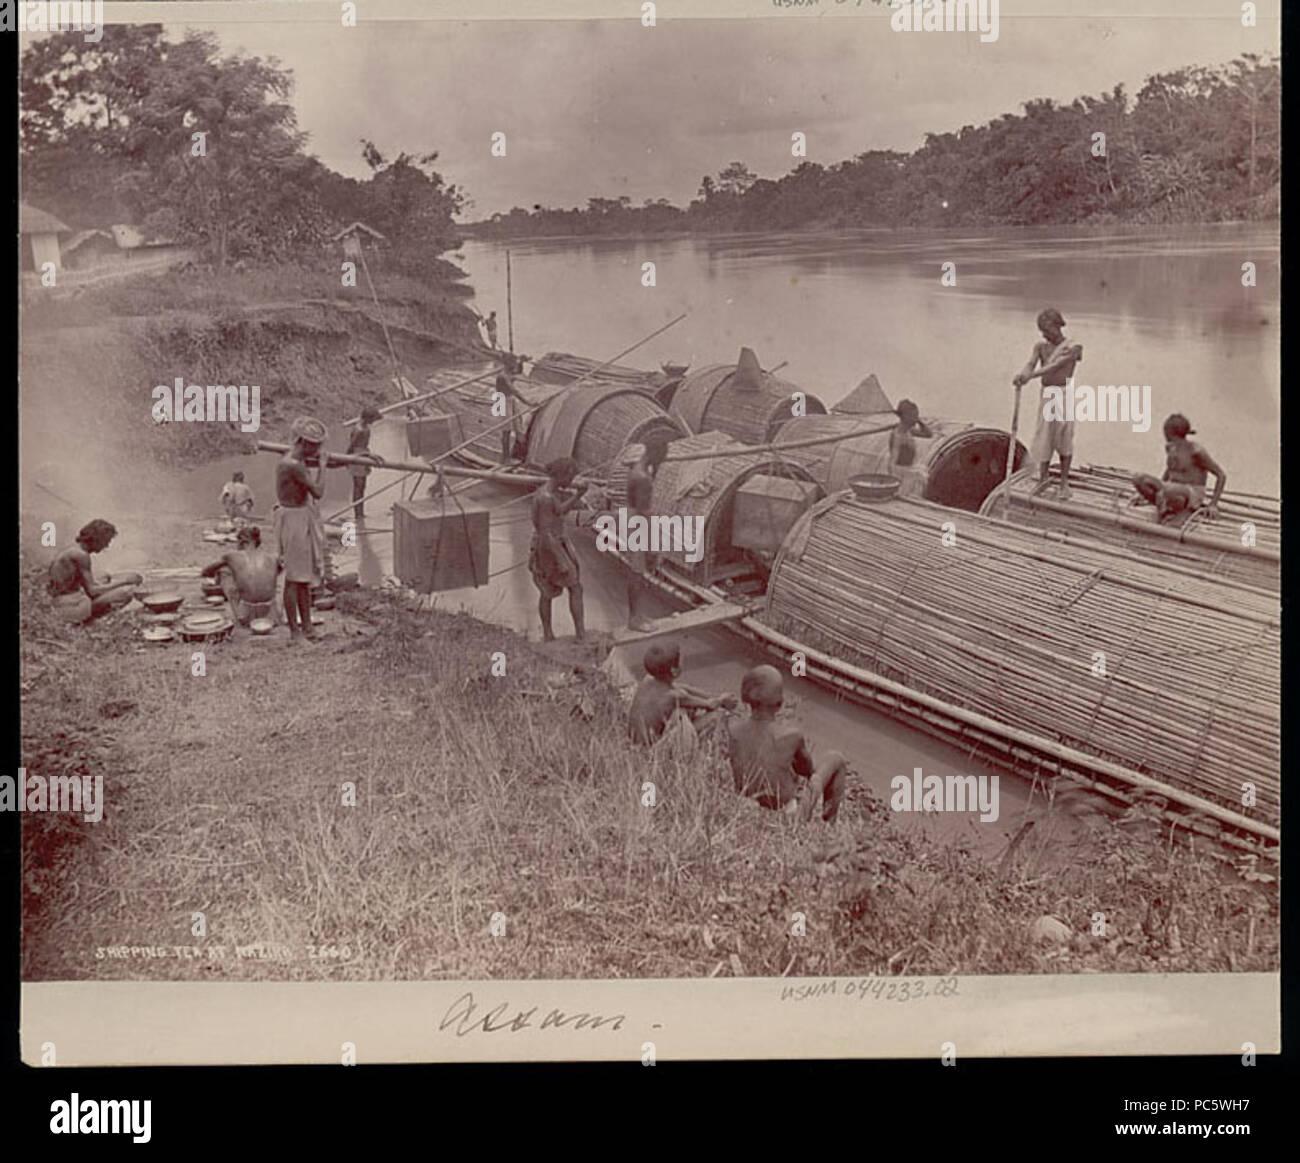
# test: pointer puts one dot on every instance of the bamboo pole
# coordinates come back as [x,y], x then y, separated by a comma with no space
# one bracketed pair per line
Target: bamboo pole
[510,313]
[341,459]
[426,396]
[1011,448]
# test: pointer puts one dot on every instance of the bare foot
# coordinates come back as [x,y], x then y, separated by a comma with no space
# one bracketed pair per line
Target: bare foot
[295,640]
[1063,493]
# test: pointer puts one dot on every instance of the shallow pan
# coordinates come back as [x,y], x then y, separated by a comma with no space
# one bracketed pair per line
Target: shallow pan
[162,603]
[874,486]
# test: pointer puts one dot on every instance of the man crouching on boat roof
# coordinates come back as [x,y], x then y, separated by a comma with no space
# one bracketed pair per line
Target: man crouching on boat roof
[1181,491]
[300,537]
[1058,356]
[767,761]
[663,707]
[77,595]
[551,559]
[248,574]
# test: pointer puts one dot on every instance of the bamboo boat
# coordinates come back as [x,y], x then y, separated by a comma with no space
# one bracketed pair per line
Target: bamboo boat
[1188,689]
[992,644]
[739,399]
[564,368]
[958,466]
[593,422]
[1243,543]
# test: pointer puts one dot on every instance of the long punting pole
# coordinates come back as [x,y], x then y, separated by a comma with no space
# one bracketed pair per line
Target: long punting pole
[1011,453]
[510,311]
[426,396]
[452,470]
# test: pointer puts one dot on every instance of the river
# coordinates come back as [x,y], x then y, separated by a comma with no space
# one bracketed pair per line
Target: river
[1159,307]
[1166,309]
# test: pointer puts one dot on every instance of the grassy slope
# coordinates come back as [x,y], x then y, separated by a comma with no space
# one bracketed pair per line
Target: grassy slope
[477,795]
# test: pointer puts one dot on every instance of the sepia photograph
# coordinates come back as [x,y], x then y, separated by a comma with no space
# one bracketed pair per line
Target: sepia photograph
[610,531]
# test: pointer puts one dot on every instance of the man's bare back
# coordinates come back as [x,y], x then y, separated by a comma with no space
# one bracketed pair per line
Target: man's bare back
[70,572]
[766,759]
[255,572]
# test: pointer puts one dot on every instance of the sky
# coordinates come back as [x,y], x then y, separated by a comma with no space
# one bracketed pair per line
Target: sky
[609,107]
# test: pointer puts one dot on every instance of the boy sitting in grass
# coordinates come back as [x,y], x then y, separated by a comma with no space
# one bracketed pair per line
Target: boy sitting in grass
[768,761]
[662,706]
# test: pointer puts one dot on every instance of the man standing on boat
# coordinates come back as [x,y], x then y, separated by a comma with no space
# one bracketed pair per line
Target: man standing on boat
[1057,356]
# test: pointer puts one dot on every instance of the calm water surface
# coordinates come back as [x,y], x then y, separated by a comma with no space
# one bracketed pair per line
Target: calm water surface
[1159,307]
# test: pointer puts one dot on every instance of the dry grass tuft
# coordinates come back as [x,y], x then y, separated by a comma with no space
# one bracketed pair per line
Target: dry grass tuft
[519,795]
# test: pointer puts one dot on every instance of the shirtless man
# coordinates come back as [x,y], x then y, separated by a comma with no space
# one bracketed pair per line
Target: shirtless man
[77,595]
[359,445]
[248,576]
[640,492]
[551,559]
[768,761]
[1181,491]
[661,701]
[237,498]
[1058,356]
[299,484]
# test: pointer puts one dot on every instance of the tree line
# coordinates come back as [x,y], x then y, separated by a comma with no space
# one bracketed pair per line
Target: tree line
[1198,144]
[108,135]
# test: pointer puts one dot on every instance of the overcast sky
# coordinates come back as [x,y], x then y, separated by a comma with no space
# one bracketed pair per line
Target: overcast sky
[603,108]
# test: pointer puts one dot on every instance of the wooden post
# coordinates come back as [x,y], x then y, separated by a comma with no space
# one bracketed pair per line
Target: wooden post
[510,312]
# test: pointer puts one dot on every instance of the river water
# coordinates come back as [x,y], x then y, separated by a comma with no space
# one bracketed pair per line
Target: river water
[1165,309]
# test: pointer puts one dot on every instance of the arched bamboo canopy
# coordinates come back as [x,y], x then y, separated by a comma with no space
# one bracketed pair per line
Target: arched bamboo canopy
[707,488]
[739,399]
[957,466]
[1242,544]
[592,423]
[1170,676]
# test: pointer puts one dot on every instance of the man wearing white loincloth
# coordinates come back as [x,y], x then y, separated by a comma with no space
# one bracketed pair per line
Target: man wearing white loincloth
[1057,357]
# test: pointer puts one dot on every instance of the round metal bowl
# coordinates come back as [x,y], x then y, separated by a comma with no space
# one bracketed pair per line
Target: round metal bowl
[261,625]
[326,603]
[162,603]
[874,486]
[211,585]
[158,634]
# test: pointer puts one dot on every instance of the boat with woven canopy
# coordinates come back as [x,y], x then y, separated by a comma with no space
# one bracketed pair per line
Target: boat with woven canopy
[1243,543]
[739,399]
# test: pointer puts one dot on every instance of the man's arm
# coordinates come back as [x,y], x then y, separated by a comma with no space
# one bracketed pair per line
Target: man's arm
[919,429]
[309,481]
[1204,460]
[1071,356]
[573,502]
[1024,373]
[802,762]
[215,568]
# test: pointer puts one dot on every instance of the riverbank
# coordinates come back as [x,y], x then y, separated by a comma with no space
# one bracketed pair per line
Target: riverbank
[516,799]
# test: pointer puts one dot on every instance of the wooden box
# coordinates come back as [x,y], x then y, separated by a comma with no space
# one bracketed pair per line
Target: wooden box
[765,510]
[439,545]
[431,436]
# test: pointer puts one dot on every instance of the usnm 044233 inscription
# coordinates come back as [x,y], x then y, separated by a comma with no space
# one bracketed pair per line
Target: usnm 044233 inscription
[879,988]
